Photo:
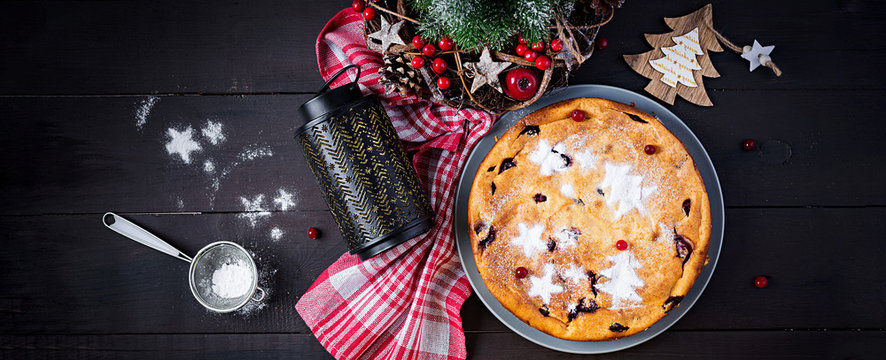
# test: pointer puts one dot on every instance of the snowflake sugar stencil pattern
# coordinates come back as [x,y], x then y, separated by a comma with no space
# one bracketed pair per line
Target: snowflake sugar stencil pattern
[529,239]
[544,286]
[623,281]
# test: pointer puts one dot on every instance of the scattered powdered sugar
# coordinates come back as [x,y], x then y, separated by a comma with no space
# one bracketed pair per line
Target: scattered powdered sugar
[253,152]
[665,233]
[567,190]
[144,110]
[624,189]
[586,159]
[544,286]
[232,280]
[253,209]
[550,159]
[276,233]
[180,203]
[566,238]
[575,274]
[529,239]
[622,281]
[208,166]
[182,143]
[213,133]
[284,200]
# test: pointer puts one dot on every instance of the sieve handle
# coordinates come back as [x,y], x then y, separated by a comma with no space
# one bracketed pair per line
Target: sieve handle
[128,229]
[256,296]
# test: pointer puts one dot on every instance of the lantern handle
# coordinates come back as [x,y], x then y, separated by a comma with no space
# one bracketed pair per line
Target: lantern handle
[342,71]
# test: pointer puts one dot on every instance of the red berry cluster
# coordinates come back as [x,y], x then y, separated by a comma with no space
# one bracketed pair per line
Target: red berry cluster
[531,52]
[360,6]
[438,65]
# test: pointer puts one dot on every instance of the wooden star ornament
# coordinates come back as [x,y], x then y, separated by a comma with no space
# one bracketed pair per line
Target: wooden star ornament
[388,34]
[486,71]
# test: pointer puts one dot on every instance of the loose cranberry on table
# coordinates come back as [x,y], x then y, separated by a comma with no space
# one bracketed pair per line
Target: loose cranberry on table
[521,83]
[418,42]
[602,43]
[543,62]
[428,50]
[578,115]
[749,145]
[621,245]
[445,44]
[530,55]
[357,5]
[538,46]
[761,281]
[556,44]
[649,149]
[443,82]
[418,62]
[369,13]
[439,65]
[522,49]
[521,272]
[313,233]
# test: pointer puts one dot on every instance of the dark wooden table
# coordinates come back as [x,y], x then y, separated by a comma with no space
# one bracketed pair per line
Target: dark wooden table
[807,210]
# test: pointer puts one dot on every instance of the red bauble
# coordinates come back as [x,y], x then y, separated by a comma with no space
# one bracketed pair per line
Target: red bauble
[438,65]
[530,55]
[538,46]
[418,42]
[578,115]
[369,13]
[443,82]
[556,44]
[521,272]
[418,62]
[521,83]
[520,39]
[621,245]
[649,149]
[602,43]
[542,62]
[749,145]
[357,5]
[522,49]
[428,50]
[761,281]
[313,233]
[445,44]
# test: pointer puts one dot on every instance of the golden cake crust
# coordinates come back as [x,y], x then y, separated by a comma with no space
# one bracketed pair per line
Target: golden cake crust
[588,288]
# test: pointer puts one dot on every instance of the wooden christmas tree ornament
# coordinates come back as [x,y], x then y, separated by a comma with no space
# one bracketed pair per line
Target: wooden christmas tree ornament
[680,58]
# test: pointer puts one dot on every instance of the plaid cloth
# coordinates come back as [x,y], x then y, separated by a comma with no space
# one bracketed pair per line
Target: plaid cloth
[404,303]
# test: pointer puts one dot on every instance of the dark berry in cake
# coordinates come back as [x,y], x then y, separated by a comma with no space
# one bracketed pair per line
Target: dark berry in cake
[567,161]
[492,186]
[507,163]
[686,206]
[616,327]
[584,306]
[600,191]
[490,169]
[490,237]
[551,244]
[684,249]
[530,130]
[671,303]
[539,198]
[479,227]
[544,310]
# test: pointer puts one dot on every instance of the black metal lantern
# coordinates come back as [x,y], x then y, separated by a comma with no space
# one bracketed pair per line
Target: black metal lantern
[368,183]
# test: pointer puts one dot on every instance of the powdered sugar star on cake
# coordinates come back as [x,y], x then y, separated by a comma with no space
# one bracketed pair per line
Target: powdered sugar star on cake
[529,239]
[549,158]
[544,286]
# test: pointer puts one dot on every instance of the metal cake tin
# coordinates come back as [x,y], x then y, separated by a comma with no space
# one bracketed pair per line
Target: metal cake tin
[669,120]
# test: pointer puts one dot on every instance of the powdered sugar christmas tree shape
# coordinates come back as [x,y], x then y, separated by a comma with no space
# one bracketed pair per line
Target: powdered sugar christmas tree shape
[623,281]
[529,239]
[550,159]
[624,191]
[544,286]
[679,60]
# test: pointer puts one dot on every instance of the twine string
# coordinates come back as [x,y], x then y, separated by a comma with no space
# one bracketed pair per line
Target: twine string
[770,64]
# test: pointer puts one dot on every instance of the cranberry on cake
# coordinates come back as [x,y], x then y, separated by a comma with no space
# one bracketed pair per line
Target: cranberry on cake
[590,220]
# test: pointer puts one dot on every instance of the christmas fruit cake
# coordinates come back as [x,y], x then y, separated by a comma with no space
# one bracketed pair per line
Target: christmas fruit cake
[589,220]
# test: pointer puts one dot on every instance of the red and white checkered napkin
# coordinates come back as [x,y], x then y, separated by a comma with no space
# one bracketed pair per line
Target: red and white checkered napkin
[404,303]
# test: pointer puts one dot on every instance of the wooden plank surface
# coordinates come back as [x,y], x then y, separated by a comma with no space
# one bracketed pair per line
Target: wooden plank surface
[130,47]
[484,345]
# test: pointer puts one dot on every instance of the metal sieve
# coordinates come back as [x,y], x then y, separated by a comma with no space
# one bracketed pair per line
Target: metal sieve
[208,260]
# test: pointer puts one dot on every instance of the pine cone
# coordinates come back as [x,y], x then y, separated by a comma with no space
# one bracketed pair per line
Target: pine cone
[399,75]
[600,7]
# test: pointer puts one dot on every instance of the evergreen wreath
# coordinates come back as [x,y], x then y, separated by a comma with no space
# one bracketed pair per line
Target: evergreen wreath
[475,27]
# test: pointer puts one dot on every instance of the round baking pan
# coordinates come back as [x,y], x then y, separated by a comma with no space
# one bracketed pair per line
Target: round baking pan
[669,120]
